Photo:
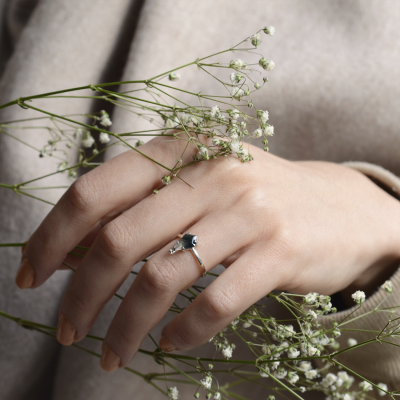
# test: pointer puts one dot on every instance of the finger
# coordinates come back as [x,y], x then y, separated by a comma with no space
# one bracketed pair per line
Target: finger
[107,190]
[162,278]
[124,241]
[247,280]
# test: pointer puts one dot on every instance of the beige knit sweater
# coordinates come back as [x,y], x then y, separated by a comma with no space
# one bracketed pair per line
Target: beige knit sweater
[334,96]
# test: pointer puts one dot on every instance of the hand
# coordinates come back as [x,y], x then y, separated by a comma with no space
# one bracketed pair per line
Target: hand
[296,226]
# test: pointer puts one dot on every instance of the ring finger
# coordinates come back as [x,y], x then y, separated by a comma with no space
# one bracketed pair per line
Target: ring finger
[163,277]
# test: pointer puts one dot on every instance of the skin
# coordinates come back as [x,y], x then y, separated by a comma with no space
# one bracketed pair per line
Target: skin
[273,223]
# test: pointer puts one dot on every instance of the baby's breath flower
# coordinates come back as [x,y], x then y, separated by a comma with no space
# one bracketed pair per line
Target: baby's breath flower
[217,396]
[263,116]
[312,351]
[95,152]
[269,30]
[257,133]
[166,179]
[310,298]
[348,396]
[257,85]
[305,365]
[215,112]
[235,148]
[208,396]
[139,143]
[255,39]
[62,166]
[237,93]
[336,333]
[384,387]
[358,297]
[236,78]
[206,382]
[312,314]
[365,386]
[292,377]
[271,397]
[171,123]
[329,380]
[312,374]
[265,79]
[174,76]
[269,130]
[264,371]
[104,137]
[105,119]
[87,139]
[302,389]
[203,153]
[197,395]
[293,353]
[173,393]
[227,352]
[237,64]
[268,65]
[351,342]
[268,348]
[280,373]
[234,113]
[183,118]
[387,286]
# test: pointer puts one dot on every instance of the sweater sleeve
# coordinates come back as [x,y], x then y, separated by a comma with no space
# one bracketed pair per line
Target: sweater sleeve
[378,362]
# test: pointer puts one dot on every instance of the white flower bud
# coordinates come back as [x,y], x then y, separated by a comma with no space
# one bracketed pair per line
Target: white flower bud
[237,93]
[104,137]
[257,133]
[166,179]
[387,286]
[268,65]
[174,76]
[263,115]
[358,296]
[87,139]
[203,153]
[365,386]
[351,342]
[269,30]
[257,85]
[105,119]
[173,393]
[384,387]
[237,64]
[255,39]
[312,374]
[269,130]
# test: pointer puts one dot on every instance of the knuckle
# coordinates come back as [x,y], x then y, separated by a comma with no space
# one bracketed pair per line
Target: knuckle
[116,239]
[83,194]
[219,305]
[160,276]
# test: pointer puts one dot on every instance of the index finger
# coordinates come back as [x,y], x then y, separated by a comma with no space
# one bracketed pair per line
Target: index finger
[107,190]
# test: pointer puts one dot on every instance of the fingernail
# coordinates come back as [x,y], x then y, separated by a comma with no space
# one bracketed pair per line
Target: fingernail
[109,361]
[166,345]
[25,275]
[65,331]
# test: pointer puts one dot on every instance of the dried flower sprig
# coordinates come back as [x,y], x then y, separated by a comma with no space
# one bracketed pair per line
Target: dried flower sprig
[282,352]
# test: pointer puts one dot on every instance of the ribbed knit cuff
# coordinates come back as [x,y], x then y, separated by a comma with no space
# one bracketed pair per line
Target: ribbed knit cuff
[375,361]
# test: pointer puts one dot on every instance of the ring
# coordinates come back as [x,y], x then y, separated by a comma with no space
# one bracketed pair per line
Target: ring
[185,242]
